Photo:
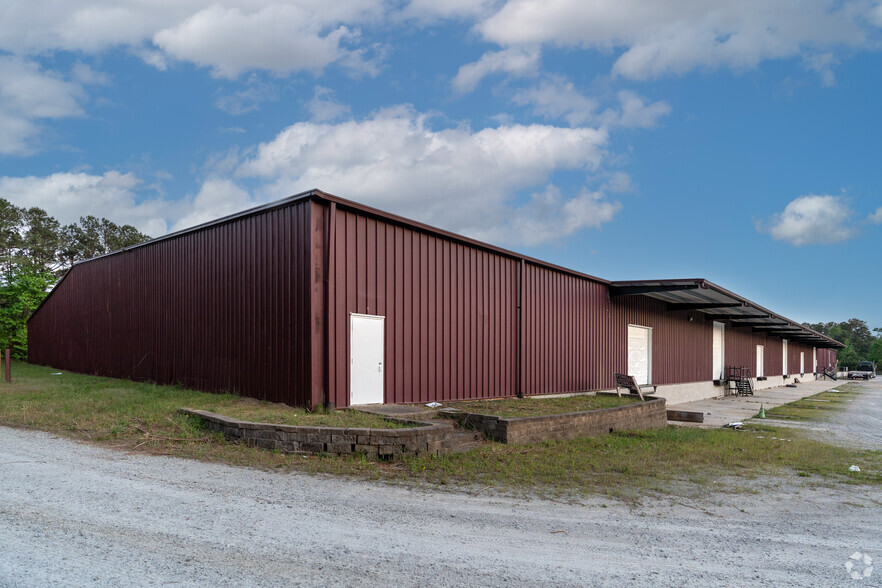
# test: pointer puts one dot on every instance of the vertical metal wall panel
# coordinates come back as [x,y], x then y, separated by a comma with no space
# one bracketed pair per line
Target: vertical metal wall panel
[807,358]
[773,355]
[225,308]
[449,310]
[682,349]
[793,350]
[826,358]
[741,345]
[568,345]
[453,329]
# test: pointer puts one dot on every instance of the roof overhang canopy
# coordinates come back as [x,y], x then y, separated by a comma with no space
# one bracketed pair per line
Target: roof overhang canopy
[718,304]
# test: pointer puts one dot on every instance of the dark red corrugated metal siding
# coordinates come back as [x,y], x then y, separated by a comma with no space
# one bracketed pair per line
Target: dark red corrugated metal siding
[450,311]
[807,358]
[773,354]
[452,324]
[260,304]
[568,341]
[223,308]
[741,351]
[826,358]
[741,345]
[682,350]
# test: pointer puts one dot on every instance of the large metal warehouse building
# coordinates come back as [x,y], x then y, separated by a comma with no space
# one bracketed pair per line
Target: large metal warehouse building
[318,300]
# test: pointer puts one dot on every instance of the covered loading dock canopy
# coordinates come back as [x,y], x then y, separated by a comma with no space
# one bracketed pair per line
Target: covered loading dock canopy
[719,304]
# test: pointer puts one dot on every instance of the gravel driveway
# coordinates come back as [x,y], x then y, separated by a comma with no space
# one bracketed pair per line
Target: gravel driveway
[72,514]
[861,424]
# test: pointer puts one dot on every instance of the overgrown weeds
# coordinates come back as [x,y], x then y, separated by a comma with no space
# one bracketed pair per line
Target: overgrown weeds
[816,408]
[539,406]
[144,418]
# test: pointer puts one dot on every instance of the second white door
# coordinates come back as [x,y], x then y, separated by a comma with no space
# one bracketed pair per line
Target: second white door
[640,353]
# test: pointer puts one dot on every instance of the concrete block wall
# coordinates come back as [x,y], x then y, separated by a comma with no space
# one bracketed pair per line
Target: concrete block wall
[651,414]
[423,439]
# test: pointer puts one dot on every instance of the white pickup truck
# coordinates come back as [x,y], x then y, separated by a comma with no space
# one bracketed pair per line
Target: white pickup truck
[864,371]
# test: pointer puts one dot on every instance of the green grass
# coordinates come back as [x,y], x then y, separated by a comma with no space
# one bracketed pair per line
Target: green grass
[630,463]
[102,409]
[144,418]
[247,409]
[815,408]
[539,406]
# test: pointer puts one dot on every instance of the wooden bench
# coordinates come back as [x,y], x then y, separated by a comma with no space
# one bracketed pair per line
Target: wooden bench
[630,384]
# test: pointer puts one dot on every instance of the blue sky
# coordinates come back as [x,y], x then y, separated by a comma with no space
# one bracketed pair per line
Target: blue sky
[734,141]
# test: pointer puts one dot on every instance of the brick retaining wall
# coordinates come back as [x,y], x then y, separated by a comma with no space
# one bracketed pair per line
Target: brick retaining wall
[651,414]
[425,439]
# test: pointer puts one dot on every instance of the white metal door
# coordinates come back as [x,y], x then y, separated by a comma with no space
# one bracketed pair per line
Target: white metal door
[719,350]
[784,359]
[814,360]
[366,348]
[760,361]
[802,362]
[640,353]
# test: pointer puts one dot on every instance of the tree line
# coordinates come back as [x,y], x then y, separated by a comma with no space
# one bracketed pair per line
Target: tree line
[860,342]
[35,251]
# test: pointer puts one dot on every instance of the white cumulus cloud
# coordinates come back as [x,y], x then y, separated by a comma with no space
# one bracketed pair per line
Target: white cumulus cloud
[227,36]
[281,38]
[876,217]
[216,198]
[28,95]
[323,107]
[457,178]
[812,219]
[549,217]
[433,10]
[517,61]
[663,37]
[557,98]
[634,112]
[123,199]
[67,196]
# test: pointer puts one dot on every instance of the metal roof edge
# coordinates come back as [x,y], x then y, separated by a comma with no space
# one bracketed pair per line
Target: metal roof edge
[703,283]
[316,194]
[212,223]
[219,221]
[52,291]
[404,221]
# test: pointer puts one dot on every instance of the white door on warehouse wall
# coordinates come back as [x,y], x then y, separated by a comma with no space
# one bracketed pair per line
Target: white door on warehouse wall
[784,359]
[802,362]
[640,353]
[719,350]
[760,361]
[814,360]
[366,354]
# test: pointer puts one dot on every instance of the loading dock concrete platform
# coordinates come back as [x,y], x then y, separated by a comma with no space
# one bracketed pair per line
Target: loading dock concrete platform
[718,412]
